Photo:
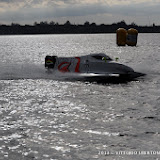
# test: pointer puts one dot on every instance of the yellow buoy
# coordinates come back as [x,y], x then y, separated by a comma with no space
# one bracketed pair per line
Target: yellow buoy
[121,36]
[132,35]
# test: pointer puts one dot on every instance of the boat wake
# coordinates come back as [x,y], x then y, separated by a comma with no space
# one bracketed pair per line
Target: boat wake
[34,71]
[24,71]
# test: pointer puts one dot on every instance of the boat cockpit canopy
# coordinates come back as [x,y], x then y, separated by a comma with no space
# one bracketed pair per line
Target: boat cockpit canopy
[101,56]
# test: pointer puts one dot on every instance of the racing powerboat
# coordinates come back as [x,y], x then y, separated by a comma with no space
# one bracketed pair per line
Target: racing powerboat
[93,67]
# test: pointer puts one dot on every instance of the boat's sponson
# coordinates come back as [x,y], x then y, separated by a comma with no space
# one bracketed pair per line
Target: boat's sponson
[93,67]
[104,78]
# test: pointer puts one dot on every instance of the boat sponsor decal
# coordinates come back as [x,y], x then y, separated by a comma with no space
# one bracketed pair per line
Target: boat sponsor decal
[49,61]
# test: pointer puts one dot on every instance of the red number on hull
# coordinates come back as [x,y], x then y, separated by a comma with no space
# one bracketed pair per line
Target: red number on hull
[78,63]
[63,67]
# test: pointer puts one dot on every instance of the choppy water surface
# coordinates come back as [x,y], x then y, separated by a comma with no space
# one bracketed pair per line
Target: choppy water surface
[46,119]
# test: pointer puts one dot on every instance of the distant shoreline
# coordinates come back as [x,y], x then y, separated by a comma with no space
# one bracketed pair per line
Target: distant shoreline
[68,28]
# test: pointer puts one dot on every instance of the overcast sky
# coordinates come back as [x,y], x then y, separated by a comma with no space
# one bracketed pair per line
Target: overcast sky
[142,12]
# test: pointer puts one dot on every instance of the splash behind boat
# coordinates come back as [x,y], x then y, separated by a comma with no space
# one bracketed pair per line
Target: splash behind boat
[94,67]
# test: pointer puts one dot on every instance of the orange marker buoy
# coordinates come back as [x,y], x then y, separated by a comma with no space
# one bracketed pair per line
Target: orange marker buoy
[132,35]
[121,36]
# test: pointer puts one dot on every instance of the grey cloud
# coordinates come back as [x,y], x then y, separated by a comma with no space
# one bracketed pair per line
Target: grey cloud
[34,2]
[10,1]
[84,10]
[6,1]
[53,11]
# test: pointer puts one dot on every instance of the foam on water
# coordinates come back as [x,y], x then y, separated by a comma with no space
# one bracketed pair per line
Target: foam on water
[30,71]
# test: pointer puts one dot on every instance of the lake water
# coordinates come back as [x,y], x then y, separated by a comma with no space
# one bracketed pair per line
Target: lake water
[46,119]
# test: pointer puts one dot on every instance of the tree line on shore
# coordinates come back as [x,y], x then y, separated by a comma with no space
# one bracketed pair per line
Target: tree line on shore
[45,27]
